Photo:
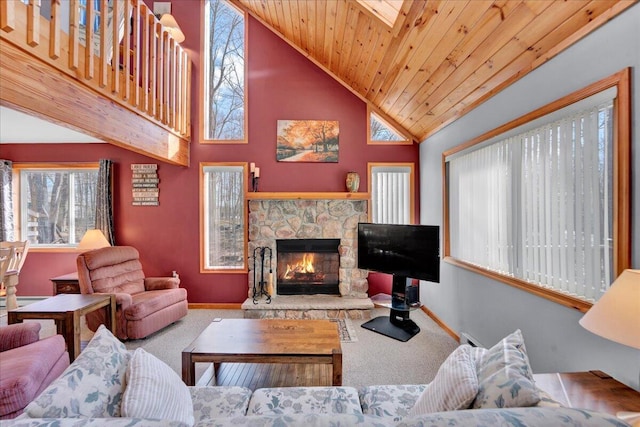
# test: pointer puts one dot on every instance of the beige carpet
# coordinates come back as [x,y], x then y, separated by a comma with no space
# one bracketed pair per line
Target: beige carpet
[369,359]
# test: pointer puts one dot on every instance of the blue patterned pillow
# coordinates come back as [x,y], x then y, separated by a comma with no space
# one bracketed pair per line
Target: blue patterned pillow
[504,376]
[92,386]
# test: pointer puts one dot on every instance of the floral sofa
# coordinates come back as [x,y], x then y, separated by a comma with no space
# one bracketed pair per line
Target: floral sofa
[110,386]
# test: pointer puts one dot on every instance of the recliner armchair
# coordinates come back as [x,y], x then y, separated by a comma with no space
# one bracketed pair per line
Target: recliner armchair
[144,304]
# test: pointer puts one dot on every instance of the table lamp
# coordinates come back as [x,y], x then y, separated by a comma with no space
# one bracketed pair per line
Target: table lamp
[616,317]
[93,239]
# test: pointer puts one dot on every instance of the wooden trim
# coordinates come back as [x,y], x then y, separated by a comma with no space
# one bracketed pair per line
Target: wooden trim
[550,294]
[245,267]
[52,166]
[306,196]
[621,185]
[441,323]
[214,306]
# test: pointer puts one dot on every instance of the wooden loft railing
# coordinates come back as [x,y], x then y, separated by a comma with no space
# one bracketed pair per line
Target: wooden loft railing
[131,87]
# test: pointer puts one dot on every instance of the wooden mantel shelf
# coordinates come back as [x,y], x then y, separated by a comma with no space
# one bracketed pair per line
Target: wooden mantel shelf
[307,196]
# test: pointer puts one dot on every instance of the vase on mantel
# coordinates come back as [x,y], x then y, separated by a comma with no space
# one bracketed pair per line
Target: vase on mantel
[353,181]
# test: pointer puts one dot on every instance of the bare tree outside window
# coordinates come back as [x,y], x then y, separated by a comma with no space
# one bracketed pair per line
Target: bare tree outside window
[224,98]
[381,131]
[57,206]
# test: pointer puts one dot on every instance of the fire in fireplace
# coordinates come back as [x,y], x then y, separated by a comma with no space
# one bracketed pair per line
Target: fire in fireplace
[308,266]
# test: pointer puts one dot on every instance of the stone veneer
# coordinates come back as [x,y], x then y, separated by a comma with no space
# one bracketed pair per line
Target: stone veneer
[310,219]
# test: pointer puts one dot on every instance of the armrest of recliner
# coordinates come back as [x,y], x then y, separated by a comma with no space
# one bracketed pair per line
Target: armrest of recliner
[123,300]
[157,283]
[19,334]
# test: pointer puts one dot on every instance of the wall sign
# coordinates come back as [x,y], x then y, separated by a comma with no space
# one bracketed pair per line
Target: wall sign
[144,183]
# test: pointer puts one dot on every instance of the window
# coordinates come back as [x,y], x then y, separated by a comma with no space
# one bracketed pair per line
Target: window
[381,132]
[57,205]
[223,191]
[540,201]
[224,94]
[391,186]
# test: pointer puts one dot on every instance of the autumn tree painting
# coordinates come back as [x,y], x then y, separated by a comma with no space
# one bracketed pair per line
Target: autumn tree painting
[307,141]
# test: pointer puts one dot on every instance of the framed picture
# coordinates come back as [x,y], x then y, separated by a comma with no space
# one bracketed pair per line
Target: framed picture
[307,141]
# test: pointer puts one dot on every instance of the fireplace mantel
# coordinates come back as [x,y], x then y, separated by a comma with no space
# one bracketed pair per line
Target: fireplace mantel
[307,196]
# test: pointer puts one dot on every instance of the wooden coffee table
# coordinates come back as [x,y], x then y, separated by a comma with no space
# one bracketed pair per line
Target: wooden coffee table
[65,310]
[265,341]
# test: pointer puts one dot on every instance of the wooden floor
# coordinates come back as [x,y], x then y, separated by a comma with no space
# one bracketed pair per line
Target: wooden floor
[260,375]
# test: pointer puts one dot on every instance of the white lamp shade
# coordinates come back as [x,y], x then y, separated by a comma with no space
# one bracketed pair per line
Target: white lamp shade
[93,239]
[616,315]
[169,22]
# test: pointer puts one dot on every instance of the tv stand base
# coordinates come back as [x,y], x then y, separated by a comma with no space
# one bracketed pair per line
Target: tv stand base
[401,330]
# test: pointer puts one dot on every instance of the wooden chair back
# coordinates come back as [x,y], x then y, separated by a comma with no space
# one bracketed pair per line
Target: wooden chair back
[20,250]
[6,255]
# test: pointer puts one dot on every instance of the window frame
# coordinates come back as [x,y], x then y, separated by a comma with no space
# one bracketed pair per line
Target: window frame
[621,184]
[17,190]
[408,140]
[203,217]
[412,186]
[203,37]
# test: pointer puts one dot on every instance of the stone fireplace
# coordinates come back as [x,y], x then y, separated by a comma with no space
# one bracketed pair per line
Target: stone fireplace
[275,222]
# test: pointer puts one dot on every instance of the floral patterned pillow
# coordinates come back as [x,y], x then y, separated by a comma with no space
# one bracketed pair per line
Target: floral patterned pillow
[92,386]
[504,376]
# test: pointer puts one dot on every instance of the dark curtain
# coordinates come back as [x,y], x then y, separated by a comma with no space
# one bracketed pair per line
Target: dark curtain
[6,202]
[104,201]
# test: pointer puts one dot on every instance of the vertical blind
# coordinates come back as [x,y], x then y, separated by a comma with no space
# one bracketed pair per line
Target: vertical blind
[391,194]
[536,204]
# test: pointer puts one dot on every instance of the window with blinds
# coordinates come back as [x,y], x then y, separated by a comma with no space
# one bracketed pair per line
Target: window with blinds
[391,189]
[536,203]
[223,217]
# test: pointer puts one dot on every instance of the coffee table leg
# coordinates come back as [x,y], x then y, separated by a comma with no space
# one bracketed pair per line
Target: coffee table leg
[337,367]
[188,369]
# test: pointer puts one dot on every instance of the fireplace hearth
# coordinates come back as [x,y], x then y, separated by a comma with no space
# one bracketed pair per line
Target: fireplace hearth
[308,266]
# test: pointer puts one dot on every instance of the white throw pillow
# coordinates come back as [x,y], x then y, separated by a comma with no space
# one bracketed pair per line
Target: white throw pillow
[454,386]
[504,376]
[155,391]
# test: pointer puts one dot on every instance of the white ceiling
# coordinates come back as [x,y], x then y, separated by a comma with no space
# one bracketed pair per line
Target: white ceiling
[20,128]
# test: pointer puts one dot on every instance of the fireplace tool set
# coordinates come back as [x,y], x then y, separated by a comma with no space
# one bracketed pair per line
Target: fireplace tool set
[262,287]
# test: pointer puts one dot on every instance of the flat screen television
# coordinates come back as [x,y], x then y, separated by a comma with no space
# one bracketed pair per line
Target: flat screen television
[406,251]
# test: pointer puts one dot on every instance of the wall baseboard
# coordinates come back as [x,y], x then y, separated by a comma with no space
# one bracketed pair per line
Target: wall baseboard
[440,323]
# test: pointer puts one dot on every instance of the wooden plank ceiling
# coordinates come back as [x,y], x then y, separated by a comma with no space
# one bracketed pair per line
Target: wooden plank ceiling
[440,58]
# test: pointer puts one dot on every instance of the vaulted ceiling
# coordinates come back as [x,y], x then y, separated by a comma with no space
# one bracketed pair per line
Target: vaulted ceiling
[421,64]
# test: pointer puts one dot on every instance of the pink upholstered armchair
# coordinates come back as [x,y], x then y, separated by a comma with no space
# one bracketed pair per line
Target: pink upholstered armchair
[27,365]
[144,304]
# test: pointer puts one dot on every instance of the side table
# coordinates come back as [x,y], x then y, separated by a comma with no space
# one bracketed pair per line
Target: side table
[593,390]
[66,284]
[66,310]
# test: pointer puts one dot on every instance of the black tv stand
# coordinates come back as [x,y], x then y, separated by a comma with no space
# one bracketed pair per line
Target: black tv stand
[397,325]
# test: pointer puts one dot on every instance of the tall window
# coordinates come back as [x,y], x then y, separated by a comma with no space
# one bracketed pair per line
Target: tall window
[536,203]
[224,111]
[223,188]
[392,193]
[57,205]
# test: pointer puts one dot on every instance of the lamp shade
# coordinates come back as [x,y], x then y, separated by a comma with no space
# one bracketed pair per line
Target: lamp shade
[93,239]
[169,22]
[616,315]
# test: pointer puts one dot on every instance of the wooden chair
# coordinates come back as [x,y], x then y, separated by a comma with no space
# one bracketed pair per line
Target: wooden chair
[5,256]
[12,274]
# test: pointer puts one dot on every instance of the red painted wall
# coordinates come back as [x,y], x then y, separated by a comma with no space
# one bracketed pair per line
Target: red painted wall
[283,84]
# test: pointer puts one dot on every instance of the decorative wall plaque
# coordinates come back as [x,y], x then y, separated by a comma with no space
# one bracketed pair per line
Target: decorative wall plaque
[144,183]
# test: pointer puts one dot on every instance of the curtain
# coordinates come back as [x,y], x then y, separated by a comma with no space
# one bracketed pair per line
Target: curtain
[391,195]
[104,200]
[6,202]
